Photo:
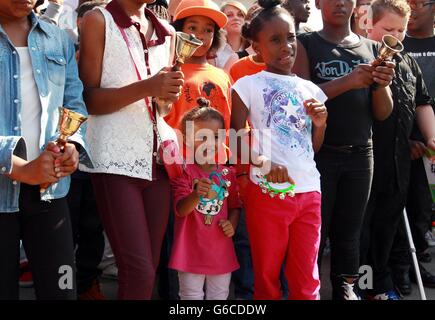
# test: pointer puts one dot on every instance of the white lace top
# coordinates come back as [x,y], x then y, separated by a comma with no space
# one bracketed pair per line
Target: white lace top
[122,142]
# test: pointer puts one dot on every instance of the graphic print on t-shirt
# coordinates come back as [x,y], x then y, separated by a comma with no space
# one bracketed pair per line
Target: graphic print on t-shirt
[333,69]
[426,61]
[209,90]
[209,208]
[284,113]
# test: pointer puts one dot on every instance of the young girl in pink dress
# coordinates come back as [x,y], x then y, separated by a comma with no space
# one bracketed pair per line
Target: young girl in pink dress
[207,210]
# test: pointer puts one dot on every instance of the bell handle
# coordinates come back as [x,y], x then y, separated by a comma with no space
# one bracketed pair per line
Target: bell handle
[177,66]
[376,63]
[61,144]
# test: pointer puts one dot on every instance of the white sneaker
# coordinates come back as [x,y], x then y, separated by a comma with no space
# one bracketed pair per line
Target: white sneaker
[349,293]
[110,272]
[430,239]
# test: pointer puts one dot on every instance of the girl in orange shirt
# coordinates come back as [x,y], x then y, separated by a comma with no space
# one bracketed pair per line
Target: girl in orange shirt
[203,19]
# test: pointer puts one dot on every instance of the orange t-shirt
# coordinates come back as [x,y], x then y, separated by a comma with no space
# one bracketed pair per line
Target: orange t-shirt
[202,81]
[245,67]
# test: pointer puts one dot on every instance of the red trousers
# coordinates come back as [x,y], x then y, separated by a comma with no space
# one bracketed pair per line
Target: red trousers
[284,231]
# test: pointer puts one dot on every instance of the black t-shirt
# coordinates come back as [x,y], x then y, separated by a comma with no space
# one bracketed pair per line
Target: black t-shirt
[423,51]
[349,114]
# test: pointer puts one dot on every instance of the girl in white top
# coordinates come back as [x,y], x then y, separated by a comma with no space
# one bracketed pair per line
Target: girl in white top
[227,54]
[288,120]
[120,45]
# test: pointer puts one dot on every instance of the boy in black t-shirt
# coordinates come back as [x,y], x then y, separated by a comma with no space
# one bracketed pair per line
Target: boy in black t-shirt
[337,60]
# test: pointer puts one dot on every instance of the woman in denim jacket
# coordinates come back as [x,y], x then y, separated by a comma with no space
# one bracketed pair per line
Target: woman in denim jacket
[38,74]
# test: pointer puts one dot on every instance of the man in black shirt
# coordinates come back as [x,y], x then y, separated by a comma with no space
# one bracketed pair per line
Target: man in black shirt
[420,39]
[420,44]
[391,148]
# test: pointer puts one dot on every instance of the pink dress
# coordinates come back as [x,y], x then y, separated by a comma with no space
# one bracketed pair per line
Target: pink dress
[200,248]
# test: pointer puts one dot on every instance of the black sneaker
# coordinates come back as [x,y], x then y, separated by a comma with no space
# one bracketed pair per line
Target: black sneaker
[424,257]
[427,278]
[401,281]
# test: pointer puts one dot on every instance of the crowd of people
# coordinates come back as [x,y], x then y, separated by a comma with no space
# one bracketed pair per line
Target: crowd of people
[292,141]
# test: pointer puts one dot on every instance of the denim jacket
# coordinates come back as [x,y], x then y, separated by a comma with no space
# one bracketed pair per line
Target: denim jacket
[56,76]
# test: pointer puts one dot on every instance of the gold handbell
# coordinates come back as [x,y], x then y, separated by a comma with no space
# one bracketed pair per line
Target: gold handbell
[390,46]
[208,219]
[185,46]
[69,123]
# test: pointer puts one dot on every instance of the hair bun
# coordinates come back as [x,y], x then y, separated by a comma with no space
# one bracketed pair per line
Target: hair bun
[267,4]
[203,102]
[246,31]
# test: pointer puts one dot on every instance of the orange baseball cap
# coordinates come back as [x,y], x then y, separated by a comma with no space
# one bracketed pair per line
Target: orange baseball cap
[235,4]
[206,8]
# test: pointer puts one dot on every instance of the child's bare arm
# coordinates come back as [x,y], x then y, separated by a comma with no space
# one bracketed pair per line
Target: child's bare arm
[186,205]
[382,101]
[234,217]
[239,115]
[318,114]
[318,135]
[229,226]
